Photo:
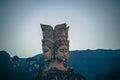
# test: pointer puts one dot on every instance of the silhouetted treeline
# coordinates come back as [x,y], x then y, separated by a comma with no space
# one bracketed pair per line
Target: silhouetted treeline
[5,72]
[16,68]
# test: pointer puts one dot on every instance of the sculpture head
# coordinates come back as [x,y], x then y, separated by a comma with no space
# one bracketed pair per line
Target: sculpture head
[62,50]
[47,47]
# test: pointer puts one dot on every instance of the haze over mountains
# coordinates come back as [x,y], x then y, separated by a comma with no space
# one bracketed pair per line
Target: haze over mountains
[97,64]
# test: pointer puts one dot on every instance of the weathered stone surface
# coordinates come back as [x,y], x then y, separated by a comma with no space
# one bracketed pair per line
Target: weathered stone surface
[47,32]
[47,42]
[61,32]
[55,42]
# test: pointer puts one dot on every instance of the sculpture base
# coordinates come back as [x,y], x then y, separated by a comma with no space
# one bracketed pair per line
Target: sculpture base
[55,74]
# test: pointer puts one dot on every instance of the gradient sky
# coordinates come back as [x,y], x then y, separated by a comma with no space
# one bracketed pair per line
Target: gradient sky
[93,24]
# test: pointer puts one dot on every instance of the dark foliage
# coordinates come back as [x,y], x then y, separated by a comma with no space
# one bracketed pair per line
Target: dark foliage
[4,65]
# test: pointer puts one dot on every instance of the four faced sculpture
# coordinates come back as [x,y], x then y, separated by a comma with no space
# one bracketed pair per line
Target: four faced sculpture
[55,44]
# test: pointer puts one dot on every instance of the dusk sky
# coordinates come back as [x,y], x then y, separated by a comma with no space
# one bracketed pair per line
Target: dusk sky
[94,24]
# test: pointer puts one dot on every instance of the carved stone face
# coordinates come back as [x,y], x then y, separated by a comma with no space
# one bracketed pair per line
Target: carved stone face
[62,53]
[47,53]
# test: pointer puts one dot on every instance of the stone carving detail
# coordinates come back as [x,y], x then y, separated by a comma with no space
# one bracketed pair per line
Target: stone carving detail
[47,32]
[61,49]
[61,32]
[47,42]
[53,39]
[55,52]
[47,47]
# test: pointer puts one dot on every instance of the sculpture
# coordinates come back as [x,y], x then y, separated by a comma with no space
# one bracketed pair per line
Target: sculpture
[56,52]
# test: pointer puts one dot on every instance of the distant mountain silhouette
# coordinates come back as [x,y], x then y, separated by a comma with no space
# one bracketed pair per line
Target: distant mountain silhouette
[97,64]
[93,64]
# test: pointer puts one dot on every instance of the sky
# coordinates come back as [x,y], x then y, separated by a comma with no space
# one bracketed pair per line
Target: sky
[93,24]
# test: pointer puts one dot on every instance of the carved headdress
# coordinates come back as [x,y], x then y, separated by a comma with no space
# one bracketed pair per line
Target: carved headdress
[47,32]
[61,32]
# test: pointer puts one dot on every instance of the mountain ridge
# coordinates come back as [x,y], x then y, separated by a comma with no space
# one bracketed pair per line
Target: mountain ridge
[99,64]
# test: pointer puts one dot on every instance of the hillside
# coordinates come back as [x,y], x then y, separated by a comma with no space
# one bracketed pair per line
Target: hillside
[97,64]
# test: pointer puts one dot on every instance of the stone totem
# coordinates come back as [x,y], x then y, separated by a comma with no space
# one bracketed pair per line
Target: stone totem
[55,46]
